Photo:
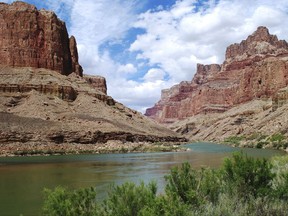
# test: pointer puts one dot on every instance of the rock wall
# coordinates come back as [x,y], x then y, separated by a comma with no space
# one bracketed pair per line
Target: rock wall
[64,92]
[33,38]
[76,67]
[97,82]
[255,68]
[280,98]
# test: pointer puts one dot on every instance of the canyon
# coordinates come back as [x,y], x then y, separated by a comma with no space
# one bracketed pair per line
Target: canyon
[48,105]
[245,95]
[255,68]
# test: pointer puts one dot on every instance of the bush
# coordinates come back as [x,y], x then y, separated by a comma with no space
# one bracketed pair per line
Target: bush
[280,182]
[278,137]
[248,176]
[242,186]
[232,205]
[129,199]
[183,183]
[194,187]
[234,140]
[61,201]
[168,206]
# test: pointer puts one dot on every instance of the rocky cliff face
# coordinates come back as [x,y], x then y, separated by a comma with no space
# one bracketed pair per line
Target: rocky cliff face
[46,104]
[255,68]
[38,39]
[97,82]
[32,38]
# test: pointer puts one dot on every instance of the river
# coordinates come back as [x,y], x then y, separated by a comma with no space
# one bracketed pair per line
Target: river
[23,178]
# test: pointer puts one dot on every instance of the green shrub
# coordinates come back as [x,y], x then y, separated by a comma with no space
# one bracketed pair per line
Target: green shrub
[278,137]
[234,140]
[194,187]
[129,199]
[248,176]
[242,186]
[280,182]
[183,183]
[233,205]
[168,206]
[61,201]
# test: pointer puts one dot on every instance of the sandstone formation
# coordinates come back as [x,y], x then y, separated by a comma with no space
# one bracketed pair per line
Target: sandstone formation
[44,111]
[97,82]
[280,98]
[76,67]
[45,103]
[33,38]
[36,114]
[254,69]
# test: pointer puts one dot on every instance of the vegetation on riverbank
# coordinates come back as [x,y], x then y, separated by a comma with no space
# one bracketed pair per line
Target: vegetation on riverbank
[258,140]
[242,186]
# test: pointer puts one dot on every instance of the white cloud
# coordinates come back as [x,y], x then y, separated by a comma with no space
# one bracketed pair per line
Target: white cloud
[154,74]
[127,69]
[137,95]
[179,38]
[176,38]
[96,22]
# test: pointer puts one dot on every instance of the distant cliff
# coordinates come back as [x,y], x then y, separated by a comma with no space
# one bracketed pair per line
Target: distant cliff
[255,68]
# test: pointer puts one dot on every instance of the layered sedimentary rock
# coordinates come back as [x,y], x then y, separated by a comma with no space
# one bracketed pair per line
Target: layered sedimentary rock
[97,82]
[36,38]
[46,104]
[280,98]
[255,68]
[63,92]
[23,80]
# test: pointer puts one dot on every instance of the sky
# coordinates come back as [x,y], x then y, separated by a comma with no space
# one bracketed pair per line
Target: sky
[144,46]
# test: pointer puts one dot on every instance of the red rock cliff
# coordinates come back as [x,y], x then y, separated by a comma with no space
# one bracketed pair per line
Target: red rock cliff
[257,67]
[33,38]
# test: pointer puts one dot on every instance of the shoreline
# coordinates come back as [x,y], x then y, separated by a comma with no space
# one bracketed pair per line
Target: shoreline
[111,147]
[47,149]
[242,145]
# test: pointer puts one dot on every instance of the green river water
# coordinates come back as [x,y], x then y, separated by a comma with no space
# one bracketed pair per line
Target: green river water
[22,179]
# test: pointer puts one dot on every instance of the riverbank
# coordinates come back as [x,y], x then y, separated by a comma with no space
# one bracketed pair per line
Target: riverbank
[33,149]
[276,141]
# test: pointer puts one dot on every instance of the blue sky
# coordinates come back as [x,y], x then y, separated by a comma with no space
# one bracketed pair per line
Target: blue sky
[144,46]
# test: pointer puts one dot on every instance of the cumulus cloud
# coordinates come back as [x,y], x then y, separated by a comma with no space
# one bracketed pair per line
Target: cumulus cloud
[127,69]
[183,35]
[174,38]
[138,95]
[154,74]
[97,22]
